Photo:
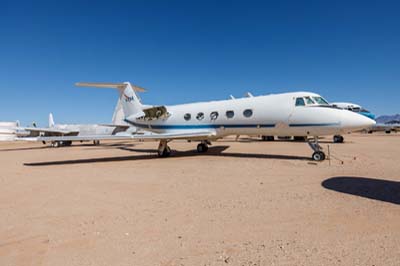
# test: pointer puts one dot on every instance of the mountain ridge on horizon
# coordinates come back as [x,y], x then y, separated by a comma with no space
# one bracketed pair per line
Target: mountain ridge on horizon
[383,119]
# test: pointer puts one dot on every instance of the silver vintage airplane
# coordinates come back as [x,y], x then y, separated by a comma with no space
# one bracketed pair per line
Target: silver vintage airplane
[118,127]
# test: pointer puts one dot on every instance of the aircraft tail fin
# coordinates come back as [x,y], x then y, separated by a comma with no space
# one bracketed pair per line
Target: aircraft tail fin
[118,116]
[129,99]
[51,120]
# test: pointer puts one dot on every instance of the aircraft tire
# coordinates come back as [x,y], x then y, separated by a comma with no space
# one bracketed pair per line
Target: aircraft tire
[318,156]
[338,139]
[268,138]
[201,148]
[164,153]
[67,143]
[299,139]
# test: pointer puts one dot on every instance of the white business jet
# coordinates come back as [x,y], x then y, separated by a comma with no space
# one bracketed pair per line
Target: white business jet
[287,114]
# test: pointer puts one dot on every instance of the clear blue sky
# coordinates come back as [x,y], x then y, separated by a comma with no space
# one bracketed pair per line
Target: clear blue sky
[184,51]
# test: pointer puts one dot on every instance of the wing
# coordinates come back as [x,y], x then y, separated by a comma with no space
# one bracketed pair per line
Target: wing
[35,131]
[188,135]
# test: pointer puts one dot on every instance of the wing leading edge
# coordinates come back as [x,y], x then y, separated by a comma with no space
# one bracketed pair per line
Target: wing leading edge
[189,135]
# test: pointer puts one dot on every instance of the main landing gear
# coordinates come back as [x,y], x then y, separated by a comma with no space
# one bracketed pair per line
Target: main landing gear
[318,154]
[203,146]
[267,138]
[338,139]
[163,149]
[57,144]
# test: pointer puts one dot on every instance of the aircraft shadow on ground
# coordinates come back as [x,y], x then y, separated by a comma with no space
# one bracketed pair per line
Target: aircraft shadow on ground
[47,146]
[25,149]
[371,188]
[152,154]
[277,141]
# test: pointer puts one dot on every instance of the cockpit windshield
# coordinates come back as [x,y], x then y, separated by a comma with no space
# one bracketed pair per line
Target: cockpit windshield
[311,101]
[320,100]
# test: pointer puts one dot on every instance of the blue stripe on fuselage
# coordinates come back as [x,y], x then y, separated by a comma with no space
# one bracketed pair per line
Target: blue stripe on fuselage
[205,126]
[214,126]
[314,125]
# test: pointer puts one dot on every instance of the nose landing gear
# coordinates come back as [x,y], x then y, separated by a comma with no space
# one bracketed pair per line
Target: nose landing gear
[318,154]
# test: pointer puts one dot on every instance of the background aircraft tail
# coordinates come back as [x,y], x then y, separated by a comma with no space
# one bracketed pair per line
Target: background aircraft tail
[130,102]
[51,120]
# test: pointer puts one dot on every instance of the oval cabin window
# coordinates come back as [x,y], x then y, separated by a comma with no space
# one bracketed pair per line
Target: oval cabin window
[187,117]
[230,114]
[214,116]
[248,113]
[200,116]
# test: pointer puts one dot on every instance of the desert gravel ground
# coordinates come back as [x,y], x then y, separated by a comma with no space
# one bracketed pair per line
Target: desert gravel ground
[242,203]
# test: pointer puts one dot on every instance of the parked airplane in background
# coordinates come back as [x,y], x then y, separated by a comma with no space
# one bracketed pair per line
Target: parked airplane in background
[354,108]
[287,114]
[78,130]
[389,127]
[8,130]
[118,127]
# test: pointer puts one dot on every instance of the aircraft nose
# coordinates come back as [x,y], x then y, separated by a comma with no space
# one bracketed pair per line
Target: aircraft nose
[351,121]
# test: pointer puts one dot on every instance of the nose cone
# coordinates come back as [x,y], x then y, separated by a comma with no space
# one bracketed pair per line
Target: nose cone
[351,121]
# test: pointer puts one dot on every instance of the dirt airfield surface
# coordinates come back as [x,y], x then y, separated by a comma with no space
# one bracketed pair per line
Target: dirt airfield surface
[242,203]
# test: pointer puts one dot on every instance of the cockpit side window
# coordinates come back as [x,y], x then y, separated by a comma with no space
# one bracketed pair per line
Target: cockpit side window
[300,102]
[320,100]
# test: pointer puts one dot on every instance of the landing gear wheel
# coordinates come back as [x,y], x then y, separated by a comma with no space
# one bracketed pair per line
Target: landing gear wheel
[165,152]
[96,142]
[163,149]
[338,139]
[268,138]
[202,147]
[67,143]
[318,156]
[300,139]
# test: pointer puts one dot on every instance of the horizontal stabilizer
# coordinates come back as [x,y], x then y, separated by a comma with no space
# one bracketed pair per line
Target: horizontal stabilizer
[49,131]
[120,86]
